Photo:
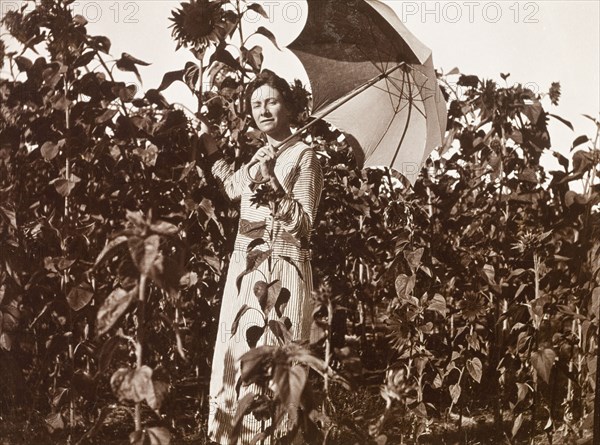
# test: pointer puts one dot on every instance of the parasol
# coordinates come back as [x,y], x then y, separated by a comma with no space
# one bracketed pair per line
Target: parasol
[374,80]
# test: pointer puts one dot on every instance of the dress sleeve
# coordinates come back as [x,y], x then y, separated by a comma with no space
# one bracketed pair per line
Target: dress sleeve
[298,209]
[232,183]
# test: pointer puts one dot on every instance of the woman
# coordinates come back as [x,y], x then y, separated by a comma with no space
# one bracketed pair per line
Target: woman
[294,170]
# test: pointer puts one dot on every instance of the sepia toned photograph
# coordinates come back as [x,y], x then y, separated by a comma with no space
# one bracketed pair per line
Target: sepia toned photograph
[299,222]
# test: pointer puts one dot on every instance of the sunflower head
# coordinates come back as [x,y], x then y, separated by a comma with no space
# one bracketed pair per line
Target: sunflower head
[198,24]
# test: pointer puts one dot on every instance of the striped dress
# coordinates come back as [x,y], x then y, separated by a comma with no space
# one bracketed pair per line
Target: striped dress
[299,172]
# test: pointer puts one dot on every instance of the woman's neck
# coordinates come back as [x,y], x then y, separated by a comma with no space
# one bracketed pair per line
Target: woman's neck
[275,140]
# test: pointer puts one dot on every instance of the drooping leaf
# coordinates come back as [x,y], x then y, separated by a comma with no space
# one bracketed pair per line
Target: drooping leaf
[255,243]
[563,120]
[273,291]
[543,361]
[252,229]
[253,334]
[475,369]
[84,59]
[583,161]
[154,97]
[289,385]
[281,332]
[100,43]
[289,260]
[191,75]
[113,307]
[244,407]
[170,77]
[254,57]
[127,93]
[254,259]
[128,63]
[222,55]
[579,140]
[236,322]
[533,111]
[282,300]
[258,9]
[455,391]
[269,35]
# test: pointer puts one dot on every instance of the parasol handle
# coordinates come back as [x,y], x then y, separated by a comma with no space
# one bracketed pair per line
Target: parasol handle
[326,111]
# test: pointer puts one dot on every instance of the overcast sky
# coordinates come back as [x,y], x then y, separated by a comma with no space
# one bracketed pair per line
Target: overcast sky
[536,42]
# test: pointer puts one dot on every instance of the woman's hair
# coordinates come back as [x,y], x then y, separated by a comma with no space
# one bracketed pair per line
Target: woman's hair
[267,77]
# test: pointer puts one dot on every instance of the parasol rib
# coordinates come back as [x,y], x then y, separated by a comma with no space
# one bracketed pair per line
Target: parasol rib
[405,125]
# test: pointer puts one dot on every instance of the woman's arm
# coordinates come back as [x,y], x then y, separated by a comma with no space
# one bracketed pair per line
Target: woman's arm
[297,211]
[233,183]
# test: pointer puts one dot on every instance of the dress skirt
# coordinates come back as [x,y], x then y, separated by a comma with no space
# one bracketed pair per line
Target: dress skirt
[299,172]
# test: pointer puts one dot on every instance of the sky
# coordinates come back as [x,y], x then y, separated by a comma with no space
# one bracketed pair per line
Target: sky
[536,42]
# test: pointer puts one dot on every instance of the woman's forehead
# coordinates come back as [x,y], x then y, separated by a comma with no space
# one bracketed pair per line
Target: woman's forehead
[265,92]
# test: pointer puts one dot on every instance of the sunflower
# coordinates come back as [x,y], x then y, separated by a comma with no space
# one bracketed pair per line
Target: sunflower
[200,23]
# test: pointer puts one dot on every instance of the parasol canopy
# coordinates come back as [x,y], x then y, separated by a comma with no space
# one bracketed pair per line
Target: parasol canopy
[374,80]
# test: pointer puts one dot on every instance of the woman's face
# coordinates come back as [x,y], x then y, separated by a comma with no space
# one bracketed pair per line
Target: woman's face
[269,112]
